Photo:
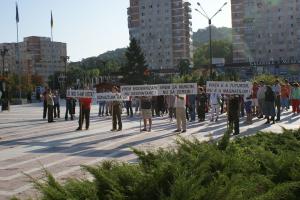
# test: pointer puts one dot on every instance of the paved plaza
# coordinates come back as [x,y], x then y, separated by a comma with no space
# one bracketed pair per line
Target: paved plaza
[29,144]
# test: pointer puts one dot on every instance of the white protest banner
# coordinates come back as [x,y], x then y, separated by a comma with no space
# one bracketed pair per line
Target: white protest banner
[177,89]
[223,87]
[110,97]
[161,89]
[80,93]
[139,90]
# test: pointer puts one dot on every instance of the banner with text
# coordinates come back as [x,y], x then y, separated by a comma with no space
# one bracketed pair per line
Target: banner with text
[223,87]
[110,97]
[80,93]
[161,89]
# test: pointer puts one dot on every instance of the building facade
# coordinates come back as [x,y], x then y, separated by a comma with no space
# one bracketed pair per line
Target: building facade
[163,30]
[265,31]
[37,55]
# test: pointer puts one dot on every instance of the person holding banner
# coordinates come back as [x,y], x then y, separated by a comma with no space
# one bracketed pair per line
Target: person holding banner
[116,112]
[180,113]
[84,113]
[233,114]
[146,112]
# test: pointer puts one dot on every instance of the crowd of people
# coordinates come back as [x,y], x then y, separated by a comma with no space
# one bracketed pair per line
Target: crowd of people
[265,102]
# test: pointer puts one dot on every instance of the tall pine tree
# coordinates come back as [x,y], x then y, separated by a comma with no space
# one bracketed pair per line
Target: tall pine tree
[134,70]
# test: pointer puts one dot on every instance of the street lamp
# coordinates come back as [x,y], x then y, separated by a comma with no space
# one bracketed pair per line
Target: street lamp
[204,14]
[65,60]
[3,53]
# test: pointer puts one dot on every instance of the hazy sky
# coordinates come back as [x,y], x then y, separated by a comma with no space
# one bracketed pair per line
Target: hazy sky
[89,27]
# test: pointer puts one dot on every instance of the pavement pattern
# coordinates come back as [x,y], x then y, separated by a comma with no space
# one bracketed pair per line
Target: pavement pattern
[29,145]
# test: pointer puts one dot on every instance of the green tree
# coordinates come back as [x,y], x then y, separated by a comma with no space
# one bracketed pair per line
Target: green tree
[134,70]
[184,67]
[220,49]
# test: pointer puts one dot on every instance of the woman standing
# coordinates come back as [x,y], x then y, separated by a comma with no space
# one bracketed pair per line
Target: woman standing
[201,104]
[295,98]
[269,106]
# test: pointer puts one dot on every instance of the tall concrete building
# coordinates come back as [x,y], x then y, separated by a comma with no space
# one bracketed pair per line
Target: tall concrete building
[38,55]
[162,28]
[265,31]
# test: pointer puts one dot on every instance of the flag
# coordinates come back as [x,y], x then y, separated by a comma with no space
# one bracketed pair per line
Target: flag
[17,13]
[51,22]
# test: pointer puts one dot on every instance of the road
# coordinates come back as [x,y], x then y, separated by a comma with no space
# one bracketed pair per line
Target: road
[28,144]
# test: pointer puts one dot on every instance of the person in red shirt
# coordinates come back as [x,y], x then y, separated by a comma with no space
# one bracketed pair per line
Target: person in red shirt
[85,108]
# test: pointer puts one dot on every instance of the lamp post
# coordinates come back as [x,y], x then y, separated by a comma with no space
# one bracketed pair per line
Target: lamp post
[3,53]
[204,14]
[65,60]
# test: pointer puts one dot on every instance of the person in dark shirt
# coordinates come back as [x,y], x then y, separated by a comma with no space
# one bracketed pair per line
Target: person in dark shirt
[146,112]
[201,104]
[269,110]
[233,113]
[116,113]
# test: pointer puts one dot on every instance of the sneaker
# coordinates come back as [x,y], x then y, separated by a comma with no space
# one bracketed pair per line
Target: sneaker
[113,130]
[183,131]
[177,131]
[144,129]
[79,129]
[119,129]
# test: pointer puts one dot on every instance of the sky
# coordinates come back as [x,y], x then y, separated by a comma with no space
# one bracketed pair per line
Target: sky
[89,27]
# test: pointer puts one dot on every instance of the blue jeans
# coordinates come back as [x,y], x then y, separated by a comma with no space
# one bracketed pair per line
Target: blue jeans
[285,102]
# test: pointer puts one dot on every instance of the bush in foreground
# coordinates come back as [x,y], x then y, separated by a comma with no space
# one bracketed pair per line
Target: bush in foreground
[261,167]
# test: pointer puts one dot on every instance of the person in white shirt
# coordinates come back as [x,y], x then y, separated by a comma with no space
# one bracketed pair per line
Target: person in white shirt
[261,98]
[214,101]
[180,113]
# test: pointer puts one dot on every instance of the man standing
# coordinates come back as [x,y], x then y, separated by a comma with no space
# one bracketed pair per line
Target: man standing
[261,98]
[45,103]
[285,95]
[254,99]
[116,112]
[56,105]
[50,104]
[277,90]
[84,113]
[129,107]
[215,100]
[192,107]
[146,112]
[170,99]
[233,113]
[201,104]
[180,113]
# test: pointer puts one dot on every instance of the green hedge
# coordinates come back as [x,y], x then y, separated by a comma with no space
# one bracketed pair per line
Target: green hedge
[265,166]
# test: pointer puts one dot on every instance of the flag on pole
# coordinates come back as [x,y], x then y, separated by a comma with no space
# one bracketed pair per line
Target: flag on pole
[51,20]
[17,13]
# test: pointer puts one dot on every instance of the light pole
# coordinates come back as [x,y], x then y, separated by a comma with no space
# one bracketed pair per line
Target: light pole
[204,14]
[3,53]
[65,60]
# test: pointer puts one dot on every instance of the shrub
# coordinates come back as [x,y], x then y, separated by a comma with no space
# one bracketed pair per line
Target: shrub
[265,166]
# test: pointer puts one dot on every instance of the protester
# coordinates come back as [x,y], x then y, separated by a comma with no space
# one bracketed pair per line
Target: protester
[269,105]
[128,105]
[277,91]
[101,108]
[201,104]
[285,95]
[56,107]
[45,103]
[180,113]
[261,98]
[215,101]
[255,107]
[84,112]
[170,100]
[160,105]
[116,112]
[248,107]
[70,110]
[192,106]
[295,96]
[50,104]
[136,104]
[233,113]
[146,112]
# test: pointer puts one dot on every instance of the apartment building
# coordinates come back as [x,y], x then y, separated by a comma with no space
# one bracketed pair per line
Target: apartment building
[37,55]
[266,31]
[163,30]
